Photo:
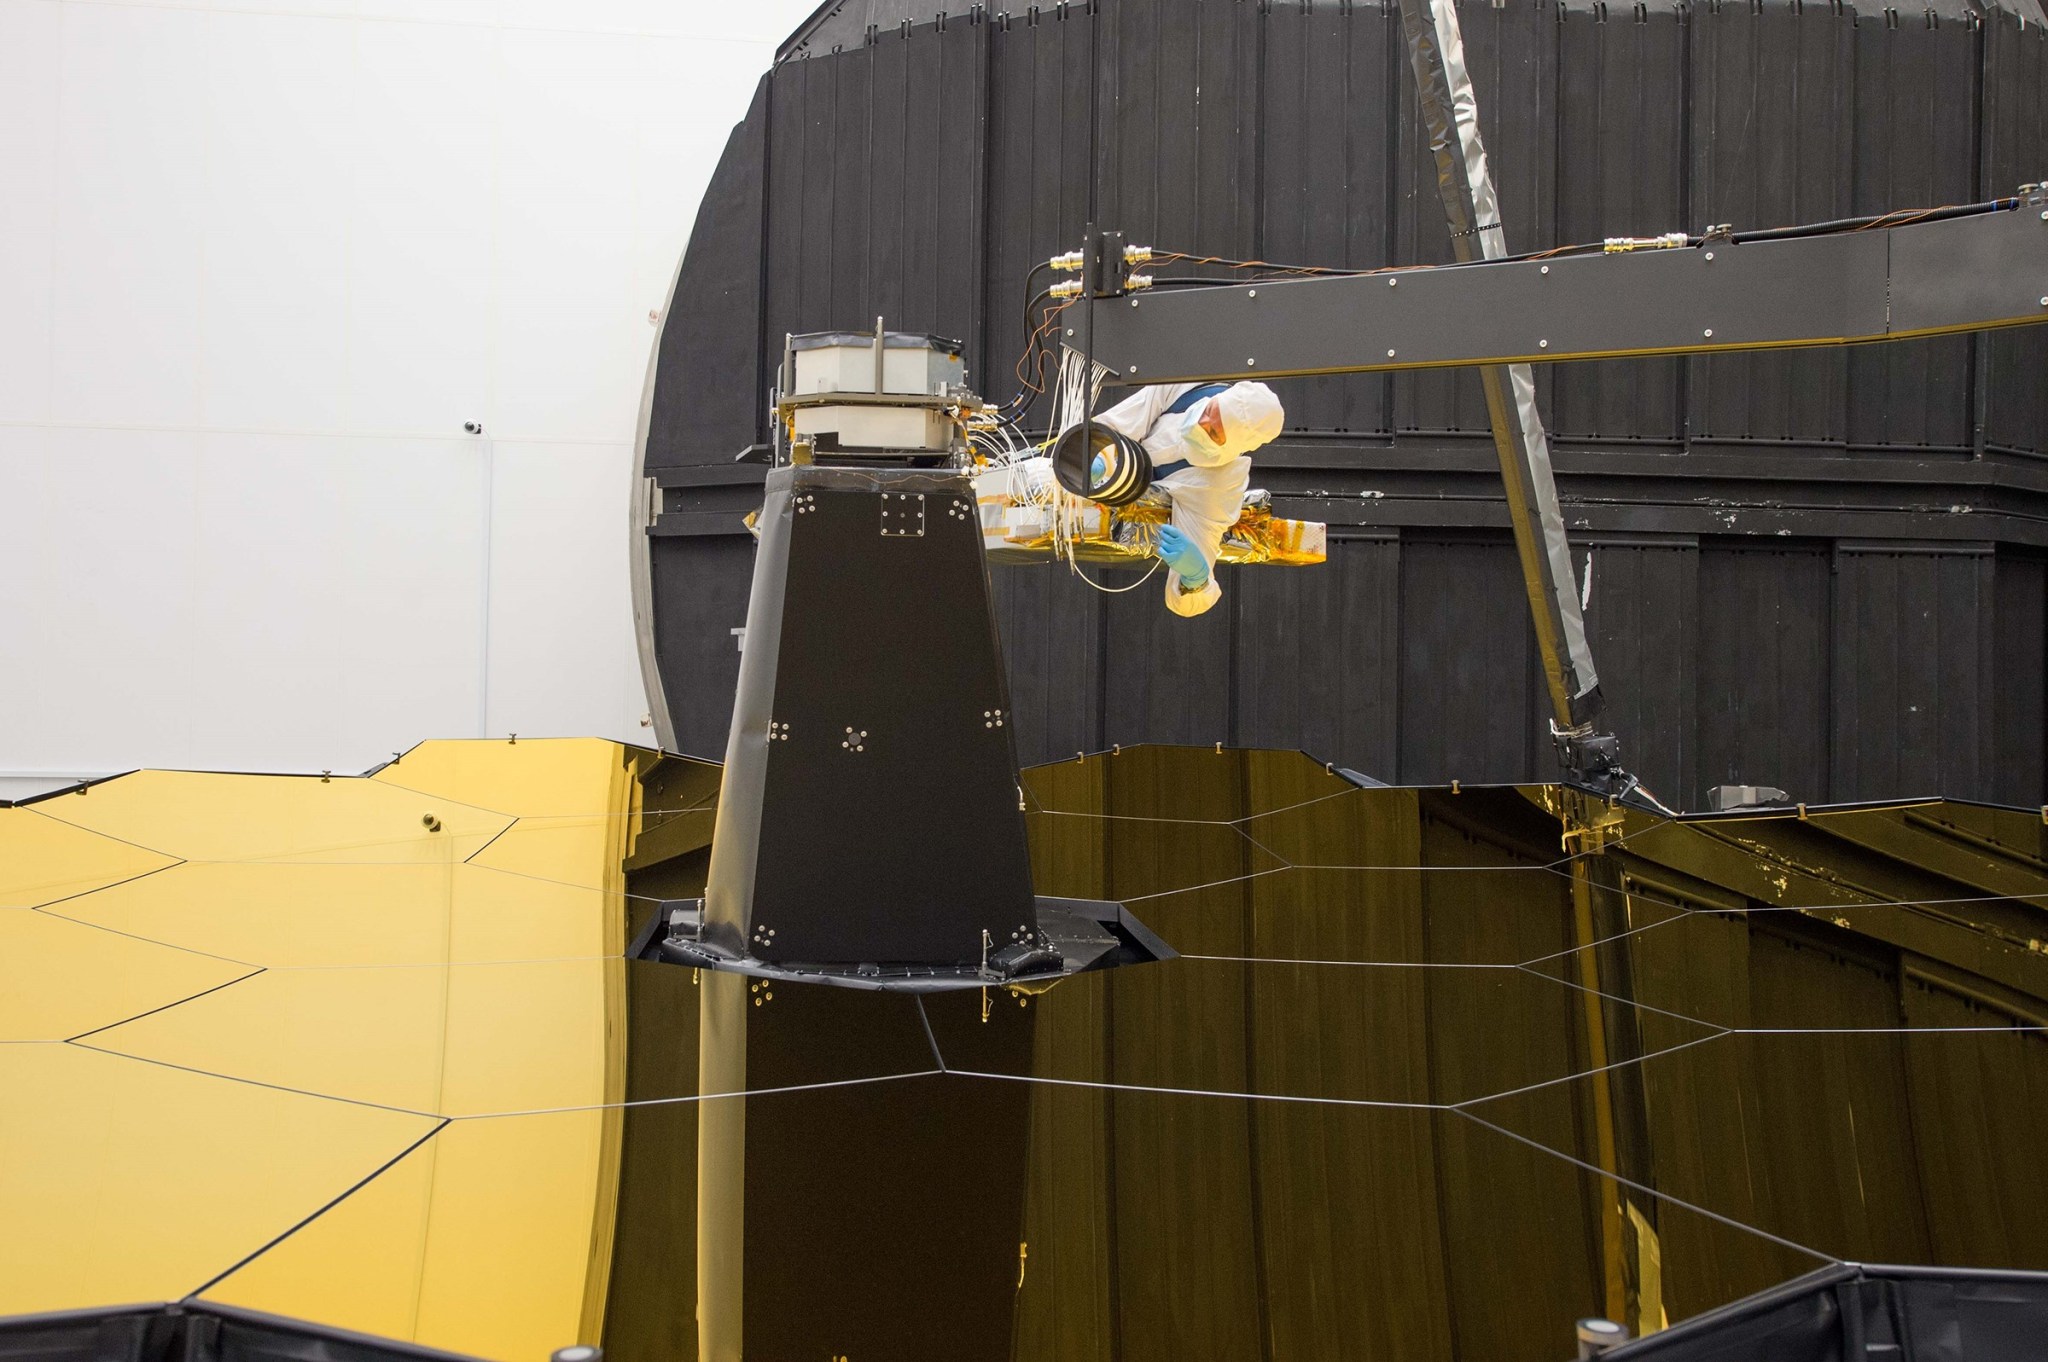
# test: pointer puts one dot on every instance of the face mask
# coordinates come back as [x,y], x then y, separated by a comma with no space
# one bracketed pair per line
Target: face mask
[1191,433]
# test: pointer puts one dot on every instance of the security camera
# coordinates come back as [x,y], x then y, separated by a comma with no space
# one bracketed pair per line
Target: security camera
[473,427]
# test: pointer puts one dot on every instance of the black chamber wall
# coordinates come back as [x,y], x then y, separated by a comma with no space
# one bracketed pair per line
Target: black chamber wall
[1820,570]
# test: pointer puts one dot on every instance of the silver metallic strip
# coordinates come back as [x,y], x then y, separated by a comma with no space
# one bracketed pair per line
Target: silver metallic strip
[1450,111]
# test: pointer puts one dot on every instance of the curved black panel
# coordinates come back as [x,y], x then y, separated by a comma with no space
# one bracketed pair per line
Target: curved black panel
[1822,571]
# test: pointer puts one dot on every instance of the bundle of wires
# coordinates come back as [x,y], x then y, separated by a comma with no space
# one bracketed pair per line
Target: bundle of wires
[1272,270]
[1000,435]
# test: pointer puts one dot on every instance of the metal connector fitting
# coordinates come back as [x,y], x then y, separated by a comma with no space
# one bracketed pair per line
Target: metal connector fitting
[1066,288]
[1617,244]
[1137,255]
[1137,281]
[1066,260]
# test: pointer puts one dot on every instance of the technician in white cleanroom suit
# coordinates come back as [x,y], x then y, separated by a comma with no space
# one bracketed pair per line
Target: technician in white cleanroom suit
[1197,436]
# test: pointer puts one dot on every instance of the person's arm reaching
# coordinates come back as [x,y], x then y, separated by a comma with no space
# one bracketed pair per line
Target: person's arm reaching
[1190,576]
[1206,503]
[1135,416]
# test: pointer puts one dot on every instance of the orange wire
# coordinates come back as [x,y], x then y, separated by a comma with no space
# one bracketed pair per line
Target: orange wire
[1035,383]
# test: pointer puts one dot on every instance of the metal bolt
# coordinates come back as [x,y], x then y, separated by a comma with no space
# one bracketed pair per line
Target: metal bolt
[1070,331]
[1390,354]
[1708,333]
[1391,283]
[2044,302]
[1710,255]
[1546,269]
[1134,368]
[1596,1336]
[1543,345]
[1134,302]
[1251,293]
[1249,362]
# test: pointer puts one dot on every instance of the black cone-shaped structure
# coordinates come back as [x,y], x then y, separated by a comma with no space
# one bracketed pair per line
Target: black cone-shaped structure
[871,809]
[871,822]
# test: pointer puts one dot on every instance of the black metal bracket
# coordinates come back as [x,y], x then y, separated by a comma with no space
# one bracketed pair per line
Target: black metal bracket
[1068,937]
[1102,264]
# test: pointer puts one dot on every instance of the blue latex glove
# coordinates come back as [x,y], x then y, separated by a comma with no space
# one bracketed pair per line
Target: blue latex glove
[1096,470]
[1178,552]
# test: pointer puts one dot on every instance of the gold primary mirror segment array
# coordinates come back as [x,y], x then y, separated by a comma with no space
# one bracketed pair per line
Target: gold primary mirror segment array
[348,1048]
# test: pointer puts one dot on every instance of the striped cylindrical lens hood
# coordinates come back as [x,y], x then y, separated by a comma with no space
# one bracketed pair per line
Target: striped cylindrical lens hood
[1126,474]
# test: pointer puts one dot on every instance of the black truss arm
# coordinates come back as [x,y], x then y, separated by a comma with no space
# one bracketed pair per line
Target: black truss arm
[1880,283]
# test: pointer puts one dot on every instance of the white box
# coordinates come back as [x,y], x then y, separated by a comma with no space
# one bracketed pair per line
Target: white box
[905,428]
[844,362]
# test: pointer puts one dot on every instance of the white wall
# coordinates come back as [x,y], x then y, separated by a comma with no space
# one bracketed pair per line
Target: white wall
[258,264]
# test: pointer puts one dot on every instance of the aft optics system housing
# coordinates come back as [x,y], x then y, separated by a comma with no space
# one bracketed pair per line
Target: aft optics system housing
[871,822]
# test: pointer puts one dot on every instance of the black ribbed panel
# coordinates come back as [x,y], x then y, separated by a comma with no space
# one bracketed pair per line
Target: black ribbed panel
[1621,152]
[709,391]
[1326,150]
[1763,687]
[1912,662]
[1318,657]
[1773,119]
[1468,664]
[1817,570]
[1643,615]
[2014,138]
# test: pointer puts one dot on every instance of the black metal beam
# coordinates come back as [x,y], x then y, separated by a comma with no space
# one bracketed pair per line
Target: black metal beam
[1877,284]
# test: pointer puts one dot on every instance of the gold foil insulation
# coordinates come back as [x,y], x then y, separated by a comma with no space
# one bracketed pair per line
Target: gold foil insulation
[1019,510]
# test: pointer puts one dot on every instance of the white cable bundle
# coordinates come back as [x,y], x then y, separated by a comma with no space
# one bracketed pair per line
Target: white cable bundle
[1070,402]
[1073,397]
